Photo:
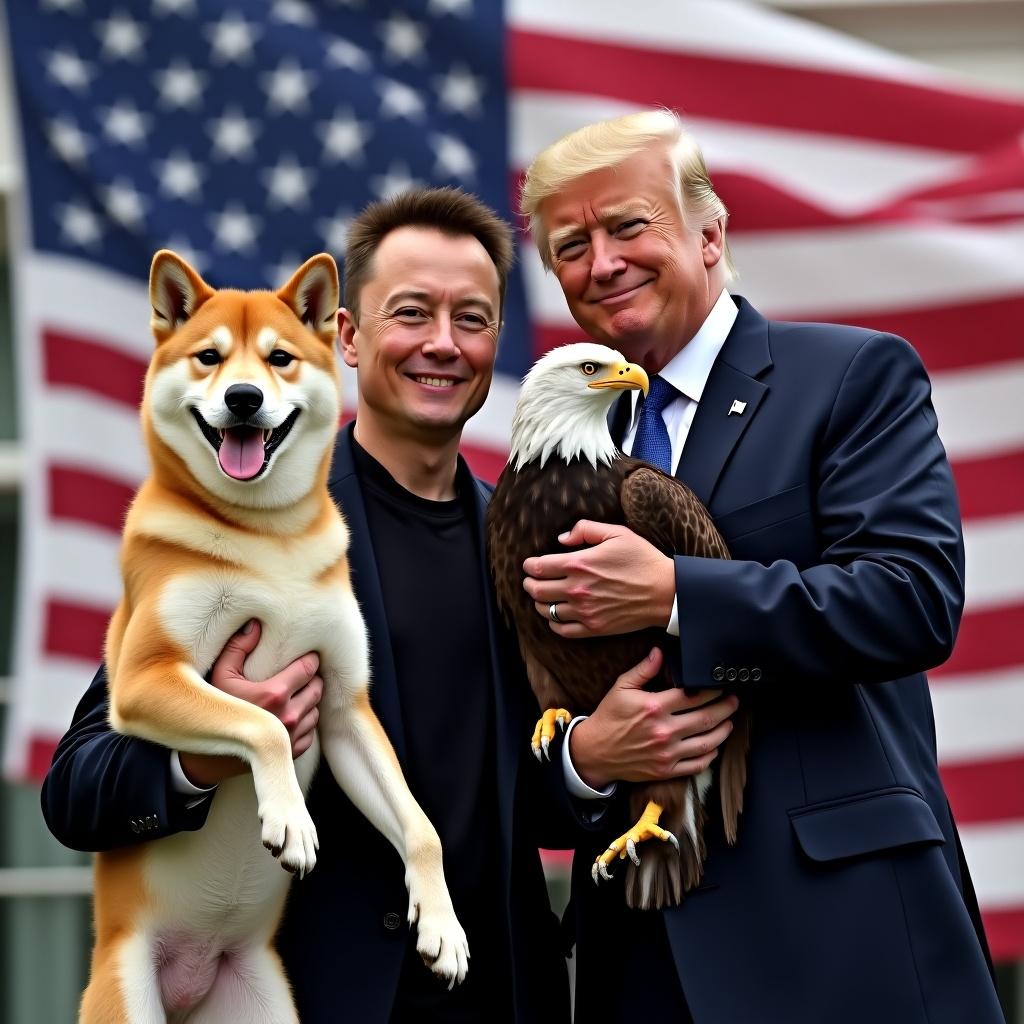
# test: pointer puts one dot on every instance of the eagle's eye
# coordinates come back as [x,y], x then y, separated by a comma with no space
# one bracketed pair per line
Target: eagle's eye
[589,368]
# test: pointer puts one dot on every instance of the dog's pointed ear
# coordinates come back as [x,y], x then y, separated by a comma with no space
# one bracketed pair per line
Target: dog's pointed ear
[176,291]
[312,294]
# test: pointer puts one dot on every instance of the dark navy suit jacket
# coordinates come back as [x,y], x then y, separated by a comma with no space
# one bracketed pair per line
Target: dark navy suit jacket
[845,898]
[344,932]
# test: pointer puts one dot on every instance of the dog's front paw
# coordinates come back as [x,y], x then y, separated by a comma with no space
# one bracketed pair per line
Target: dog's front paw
[289,834]
[441,943]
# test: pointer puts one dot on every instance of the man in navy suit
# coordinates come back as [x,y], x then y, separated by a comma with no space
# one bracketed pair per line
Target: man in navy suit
[846,897]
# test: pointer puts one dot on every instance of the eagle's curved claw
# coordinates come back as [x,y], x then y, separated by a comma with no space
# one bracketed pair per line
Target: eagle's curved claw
[544,732]
[631,850]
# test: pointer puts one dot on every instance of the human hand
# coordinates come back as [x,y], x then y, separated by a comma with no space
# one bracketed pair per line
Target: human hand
[619,584]
[639,736]
[292,695]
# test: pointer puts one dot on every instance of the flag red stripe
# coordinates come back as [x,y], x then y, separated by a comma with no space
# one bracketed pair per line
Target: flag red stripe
[75,361]
[1005,932]
[992,486]
[75,630]
[85,497]
[776,95]
[988,640]
[486,463]
[981,791]
[40,754]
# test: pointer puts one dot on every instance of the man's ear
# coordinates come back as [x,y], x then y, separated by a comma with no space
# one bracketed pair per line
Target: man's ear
[712,243]
[176,291]
[347,328]
[312,295]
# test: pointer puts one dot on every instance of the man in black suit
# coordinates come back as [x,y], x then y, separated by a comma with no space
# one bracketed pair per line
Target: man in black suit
[846,897]
[424,284]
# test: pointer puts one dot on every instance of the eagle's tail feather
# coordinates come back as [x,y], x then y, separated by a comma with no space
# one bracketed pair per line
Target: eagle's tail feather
[732,776]
[665,874]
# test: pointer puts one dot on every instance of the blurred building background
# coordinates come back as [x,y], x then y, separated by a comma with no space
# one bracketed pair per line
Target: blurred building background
[44,913]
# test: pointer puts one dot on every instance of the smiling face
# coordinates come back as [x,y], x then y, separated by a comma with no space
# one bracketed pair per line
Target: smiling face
[426,337]
[635,276]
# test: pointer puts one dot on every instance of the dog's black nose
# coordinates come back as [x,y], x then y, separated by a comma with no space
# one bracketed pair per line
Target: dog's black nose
[243,399]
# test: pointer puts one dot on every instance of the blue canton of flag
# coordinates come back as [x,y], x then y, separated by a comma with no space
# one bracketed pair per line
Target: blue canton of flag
[246,135]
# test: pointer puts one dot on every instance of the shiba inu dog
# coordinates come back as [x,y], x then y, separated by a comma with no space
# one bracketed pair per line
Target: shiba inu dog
[240,410]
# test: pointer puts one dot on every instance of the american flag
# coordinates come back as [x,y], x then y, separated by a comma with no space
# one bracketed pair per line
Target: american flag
[863,188]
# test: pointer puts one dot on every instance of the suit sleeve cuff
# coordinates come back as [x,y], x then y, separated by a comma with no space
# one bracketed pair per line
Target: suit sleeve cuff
[573,783]
[673,623]
[181,785]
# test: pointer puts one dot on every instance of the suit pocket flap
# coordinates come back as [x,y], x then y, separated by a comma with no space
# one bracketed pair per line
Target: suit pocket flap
[865,824]
[765,512]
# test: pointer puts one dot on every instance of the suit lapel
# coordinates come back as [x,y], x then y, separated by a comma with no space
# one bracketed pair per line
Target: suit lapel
[346,492]
[716,430]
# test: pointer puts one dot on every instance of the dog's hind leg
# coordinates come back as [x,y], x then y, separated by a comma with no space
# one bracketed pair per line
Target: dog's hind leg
[123,986]
[250,988]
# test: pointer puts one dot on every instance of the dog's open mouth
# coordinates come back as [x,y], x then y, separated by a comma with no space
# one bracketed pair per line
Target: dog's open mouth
[244,451]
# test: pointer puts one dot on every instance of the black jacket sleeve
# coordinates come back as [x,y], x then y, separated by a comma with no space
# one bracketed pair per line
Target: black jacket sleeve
[105,790]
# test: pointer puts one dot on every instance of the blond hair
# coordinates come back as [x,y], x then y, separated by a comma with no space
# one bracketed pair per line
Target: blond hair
[596,147]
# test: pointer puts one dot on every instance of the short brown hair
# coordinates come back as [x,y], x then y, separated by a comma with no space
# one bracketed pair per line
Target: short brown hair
[448,210]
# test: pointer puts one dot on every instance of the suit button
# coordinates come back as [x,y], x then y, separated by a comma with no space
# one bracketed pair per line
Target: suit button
[135,826]
[730,675]
[755,675]
[744,675]
[718,674]
[392,921]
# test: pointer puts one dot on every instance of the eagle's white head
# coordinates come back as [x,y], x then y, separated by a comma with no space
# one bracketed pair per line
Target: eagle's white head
[564,403]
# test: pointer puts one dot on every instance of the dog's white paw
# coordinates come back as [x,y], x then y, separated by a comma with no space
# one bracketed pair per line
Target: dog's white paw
[289,834]
[441,944]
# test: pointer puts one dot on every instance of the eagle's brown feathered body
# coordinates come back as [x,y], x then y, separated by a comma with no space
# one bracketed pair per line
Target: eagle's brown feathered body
[530,507]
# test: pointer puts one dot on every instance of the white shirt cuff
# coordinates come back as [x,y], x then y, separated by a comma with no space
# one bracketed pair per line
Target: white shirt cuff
[576,786]
[179,780]
[673,623]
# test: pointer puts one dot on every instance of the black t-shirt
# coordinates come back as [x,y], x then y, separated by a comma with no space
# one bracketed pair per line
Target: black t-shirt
[429,559]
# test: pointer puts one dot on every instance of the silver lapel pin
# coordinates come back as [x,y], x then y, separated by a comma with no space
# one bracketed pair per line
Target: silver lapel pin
[737,407]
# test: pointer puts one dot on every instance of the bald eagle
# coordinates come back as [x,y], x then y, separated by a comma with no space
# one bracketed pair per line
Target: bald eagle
[565,467]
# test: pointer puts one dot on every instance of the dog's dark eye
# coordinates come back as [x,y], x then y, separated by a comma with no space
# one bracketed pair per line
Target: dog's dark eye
[281,358]
[589,368]
[208,357]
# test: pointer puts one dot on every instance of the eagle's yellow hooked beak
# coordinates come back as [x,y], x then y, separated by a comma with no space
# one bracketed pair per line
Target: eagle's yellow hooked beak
[622,377]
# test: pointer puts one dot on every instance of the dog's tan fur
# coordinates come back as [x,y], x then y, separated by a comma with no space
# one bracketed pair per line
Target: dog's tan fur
[184,924]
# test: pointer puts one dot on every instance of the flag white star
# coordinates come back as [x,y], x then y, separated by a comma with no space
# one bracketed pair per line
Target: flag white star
[180,86]
[293,12]
[161,8]
[395,182]
[66,68]
[399,100]
[459,7]
[460,91]
[288,183]
[122,36]
[454,157]
[233,135]
[334,231]
[184,248]
[180,176]
[343,137]
[343,54]
[79,225]
[125,123]
[288,88]
[232,39]
[234,229]
[68,142]
[124,204]
[404,39]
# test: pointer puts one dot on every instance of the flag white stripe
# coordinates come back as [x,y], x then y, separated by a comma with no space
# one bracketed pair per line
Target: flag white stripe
[995,563]
[979,716]
[995,853]
[836,172]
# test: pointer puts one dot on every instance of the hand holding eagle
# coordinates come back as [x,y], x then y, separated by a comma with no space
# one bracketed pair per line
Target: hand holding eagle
[564,467]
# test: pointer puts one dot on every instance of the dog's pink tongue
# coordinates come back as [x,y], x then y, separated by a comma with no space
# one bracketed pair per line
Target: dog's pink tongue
[241,452]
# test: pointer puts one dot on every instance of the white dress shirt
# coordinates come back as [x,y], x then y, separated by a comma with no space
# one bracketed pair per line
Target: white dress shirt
[688,373]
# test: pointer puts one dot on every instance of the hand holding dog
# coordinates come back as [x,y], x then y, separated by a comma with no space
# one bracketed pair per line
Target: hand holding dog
[292,695]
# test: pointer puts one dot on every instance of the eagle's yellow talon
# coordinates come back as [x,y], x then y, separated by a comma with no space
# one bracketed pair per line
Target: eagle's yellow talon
[625,846]
[544,733]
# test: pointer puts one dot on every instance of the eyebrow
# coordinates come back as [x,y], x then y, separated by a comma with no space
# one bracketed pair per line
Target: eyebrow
[557,237]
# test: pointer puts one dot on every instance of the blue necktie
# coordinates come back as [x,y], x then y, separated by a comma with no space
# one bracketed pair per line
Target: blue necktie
[652,442]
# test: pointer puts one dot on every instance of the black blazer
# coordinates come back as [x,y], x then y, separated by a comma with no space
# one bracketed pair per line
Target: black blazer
[845,899]
[344,933]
